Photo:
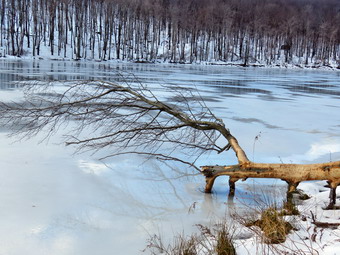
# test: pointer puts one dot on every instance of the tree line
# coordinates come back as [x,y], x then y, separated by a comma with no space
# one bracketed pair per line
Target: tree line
[181,31]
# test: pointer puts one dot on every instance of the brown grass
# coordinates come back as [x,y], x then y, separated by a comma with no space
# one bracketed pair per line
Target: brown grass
[181,245]
[224,243]
[275,229]
[209,241]
[289,208]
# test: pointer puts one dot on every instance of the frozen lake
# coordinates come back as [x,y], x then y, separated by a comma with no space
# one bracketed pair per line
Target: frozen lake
[55,202]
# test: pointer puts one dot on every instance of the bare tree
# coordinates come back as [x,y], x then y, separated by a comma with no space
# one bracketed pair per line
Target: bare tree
[247,31]
[131,119]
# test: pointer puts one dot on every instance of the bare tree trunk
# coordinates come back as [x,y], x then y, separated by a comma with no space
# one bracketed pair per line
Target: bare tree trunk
[293,174]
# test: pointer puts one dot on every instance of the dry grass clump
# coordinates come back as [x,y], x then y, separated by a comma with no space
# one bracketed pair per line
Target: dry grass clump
[186,246]
[181,245]
[289,208]
[274,227]
[208,241]
[224,243]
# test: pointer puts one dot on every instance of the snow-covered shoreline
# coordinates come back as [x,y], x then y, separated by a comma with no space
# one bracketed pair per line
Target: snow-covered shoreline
[309,236]
[331,67]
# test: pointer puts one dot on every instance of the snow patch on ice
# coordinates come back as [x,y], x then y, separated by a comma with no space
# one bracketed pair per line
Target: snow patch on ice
[92,167]
[325,149]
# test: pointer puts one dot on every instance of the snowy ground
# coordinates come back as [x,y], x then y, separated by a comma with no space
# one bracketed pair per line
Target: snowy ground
[307,238]
[54,202]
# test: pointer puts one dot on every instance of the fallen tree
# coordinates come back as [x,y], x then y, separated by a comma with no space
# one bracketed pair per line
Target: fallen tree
[132,119]
[293,174]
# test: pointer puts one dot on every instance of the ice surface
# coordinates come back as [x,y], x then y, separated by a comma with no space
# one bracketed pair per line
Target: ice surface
[54,202]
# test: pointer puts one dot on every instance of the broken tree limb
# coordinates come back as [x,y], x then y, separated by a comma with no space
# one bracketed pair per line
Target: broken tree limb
[319,224]
[293,174]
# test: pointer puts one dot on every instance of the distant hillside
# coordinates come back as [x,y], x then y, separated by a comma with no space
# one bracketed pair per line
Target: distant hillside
[246,32]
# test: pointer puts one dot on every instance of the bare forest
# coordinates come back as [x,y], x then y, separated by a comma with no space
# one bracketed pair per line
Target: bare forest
[261,32]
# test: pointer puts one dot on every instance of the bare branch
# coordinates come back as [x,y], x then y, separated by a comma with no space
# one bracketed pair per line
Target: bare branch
[128,118]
